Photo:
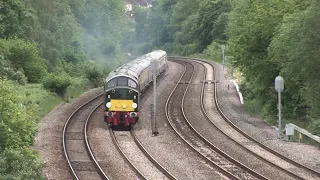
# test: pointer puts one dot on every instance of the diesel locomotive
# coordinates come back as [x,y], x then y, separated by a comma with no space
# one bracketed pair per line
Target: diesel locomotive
[124,86]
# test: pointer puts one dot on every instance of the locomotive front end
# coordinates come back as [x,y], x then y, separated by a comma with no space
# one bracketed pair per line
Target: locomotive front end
[121,101]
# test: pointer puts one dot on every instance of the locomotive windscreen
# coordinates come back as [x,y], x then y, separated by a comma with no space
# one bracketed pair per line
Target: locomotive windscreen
[122,81]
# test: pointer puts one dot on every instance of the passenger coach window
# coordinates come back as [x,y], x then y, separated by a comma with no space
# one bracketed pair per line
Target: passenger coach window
[132,83]
[112,83]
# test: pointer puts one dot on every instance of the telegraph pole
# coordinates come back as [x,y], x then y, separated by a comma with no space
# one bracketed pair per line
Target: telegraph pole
[154,66]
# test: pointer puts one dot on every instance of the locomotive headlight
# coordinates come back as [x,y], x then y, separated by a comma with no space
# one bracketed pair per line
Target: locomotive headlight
[108,104]
[134,105]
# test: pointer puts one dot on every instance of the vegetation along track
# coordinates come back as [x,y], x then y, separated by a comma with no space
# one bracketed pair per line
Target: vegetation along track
[145,166]
[294,170]
[175,116]
[82,163]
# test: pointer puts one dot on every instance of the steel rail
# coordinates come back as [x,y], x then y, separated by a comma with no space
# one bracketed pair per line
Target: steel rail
[212,146]
[88,147]
[278,154]
[150,157]
[66,154]
[114,139]
[228,174]
[254,154]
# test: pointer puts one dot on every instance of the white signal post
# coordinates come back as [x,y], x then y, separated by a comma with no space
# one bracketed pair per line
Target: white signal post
[154,67]
[279,86]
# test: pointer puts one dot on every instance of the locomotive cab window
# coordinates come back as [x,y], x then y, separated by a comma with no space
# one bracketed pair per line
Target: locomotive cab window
[122,81]
[112,83]
[132,84]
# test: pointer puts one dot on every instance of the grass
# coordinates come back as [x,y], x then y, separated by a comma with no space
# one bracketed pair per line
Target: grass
[36,94]
[45,100]
[78,87]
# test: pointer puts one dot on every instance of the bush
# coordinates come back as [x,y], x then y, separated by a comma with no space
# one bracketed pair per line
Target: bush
[179,49]
[57,83]
[24,55]
[185,49]
[87,69]
[20,164]
[315,129]
[93,72]
[95,76]
[214,51]
[7,71]
[17,124]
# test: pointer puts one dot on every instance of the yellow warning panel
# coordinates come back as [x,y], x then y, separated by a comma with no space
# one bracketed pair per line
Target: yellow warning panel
[121,105]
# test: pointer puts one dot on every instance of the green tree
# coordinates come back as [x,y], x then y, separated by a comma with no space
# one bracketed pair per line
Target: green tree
[7,71]
[20,164]
[57,83]
[24,55]
[209,13]
[295,49]
[12,14]
[251,29]
[16,126]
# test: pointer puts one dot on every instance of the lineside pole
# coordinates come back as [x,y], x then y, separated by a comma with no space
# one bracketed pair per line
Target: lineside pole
[279,86]
[279,113]
[154,128]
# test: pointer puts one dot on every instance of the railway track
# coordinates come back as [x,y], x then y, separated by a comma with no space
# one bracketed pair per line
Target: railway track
[299,171]
[175,115]
[76,147]
[137,157]
[293,170]
[83,164]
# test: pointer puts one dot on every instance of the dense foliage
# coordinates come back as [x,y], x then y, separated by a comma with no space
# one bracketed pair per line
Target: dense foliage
[57,83]
[263,39]
[64,47]
[17,127]
[24,56]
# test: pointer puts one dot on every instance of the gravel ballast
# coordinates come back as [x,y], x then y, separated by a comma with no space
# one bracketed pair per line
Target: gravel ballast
[167,147]
[49,137]
[230,104]
[112,163]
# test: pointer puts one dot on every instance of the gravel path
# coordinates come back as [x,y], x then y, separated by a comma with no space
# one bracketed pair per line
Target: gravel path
[230,104]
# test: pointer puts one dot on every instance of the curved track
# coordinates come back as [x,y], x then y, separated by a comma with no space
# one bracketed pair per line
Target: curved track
[77,150]
[175,115]
[157,169]
[302,172]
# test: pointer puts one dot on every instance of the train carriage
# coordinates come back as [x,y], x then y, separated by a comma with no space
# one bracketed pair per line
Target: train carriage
[124,86]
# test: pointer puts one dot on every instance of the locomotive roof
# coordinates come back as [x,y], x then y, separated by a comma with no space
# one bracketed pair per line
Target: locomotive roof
[136,66]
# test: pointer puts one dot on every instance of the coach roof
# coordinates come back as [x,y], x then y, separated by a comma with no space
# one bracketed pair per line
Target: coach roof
[136,66]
